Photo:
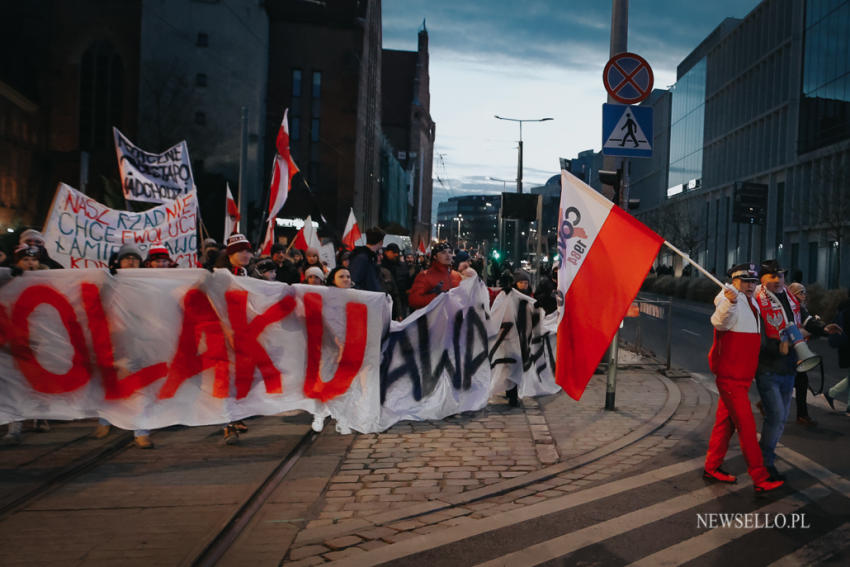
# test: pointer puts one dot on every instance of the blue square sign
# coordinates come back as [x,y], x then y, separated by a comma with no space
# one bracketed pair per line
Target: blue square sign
[626,130]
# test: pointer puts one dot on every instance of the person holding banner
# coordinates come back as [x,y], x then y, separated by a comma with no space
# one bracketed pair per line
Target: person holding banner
[340,277]
[286,271]
[32,237]
[159,257]
[782,314]
[438,278]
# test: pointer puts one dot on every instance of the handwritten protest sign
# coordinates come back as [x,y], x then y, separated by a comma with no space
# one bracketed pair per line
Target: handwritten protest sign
[154,178]
[83,233]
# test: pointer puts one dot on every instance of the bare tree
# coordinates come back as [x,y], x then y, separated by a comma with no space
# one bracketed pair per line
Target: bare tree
[829,210]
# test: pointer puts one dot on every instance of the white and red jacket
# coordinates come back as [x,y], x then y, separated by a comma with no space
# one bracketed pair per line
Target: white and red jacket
[737,338]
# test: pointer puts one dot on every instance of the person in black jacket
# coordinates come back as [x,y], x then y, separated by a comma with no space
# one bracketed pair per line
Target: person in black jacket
[286,271]
[842,343]
[364,262]
[398,282]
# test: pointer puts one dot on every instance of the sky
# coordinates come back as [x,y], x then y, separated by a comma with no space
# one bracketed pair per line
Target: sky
[532,59]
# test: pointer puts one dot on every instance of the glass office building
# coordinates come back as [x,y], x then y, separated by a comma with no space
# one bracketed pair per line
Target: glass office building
[687,117]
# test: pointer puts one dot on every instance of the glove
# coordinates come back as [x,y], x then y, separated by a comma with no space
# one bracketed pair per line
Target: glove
[437,289]
[16,271]
[112,270]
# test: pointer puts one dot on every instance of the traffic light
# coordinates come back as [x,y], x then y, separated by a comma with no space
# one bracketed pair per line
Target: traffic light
[612,178]
[750,203]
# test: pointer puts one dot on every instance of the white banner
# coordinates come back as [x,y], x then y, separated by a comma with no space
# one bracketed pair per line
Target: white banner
[82,233]
[154,178]
[146,349]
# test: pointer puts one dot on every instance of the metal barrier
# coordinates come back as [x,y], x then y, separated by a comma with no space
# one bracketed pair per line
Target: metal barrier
[650,313]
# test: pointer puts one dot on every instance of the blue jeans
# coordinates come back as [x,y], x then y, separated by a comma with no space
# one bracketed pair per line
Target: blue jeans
[775,391]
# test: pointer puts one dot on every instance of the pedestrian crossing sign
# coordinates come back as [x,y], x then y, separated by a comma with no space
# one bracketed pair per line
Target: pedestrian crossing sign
[626,130]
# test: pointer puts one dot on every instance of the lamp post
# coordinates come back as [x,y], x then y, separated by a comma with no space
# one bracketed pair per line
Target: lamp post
[457,240]
[504,182]
[439,226]
[519,157]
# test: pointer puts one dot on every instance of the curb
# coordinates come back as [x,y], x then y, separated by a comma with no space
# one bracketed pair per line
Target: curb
[674,398]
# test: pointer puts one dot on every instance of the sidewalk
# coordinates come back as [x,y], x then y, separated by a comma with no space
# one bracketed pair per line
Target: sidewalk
[419,477]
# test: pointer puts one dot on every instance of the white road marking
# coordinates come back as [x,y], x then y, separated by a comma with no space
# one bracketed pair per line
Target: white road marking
[817,551]
[825,476]
[691,332]
[696,546]
[565,544]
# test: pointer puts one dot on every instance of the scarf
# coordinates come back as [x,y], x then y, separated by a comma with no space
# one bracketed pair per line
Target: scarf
[773,313]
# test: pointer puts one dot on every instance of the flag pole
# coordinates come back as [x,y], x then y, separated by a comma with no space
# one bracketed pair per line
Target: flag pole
[705,272]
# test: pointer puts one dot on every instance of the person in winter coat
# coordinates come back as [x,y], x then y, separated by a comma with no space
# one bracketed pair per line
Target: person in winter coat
[237,255]
[733,359]
[438,278]
[779,311]
[32,237]
[364,262]
[842,343]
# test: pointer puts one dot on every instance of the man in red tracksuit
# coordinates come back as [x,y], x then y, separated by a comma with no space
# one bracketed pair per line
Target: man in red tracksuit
[437,279]
[733,358]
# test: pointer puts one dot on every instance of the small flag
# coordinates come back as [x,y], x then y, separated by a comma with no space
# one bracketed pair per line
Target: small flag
[231,215]
[421,245]
[605,255]
[351,234]
[307,237]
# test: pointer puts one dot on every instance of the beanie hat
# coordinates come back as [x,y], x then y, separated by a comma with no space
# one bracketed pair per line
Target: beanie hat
[315,271]
[129,249]
[26,250]
[265,265]
[278,247]
[237,242]
[521,275]
[157,252]
[439,248]
[31,234]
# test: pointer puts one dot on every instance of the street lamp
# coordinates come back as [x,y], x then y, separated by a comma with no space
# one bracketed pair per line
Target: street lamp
[504,182]
[519,158]
[458,219]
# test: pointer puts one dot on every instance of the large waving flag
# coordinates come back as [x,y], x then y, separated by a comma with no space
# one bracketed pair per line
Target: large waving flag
[605,254]
[351,234]
[231,215]
[284,169]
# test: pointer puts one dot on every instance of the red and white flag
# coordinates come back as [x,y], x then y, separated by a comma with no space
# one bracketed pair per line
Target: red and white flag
[352,232]
[422,246]
[605,254]
[307,237]
[231,215]
[284,169]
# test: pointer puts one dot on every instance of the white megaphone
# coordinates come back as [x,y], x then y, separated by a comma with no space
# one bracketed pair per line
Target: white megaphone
[806,359]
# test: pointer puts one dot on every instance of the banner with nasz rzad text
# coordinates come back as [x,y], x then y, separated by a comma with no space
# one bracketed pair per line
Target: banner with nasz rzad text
[83,233]
[152,177]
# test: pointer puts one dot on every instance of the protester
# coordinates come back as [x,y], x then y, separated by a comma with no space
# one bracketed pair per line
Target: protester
[733,359]
[344,259]
[399,280]
[776,366]
[159,257]
[311,260]
[438,278]
[522,282]
[340,277]
[286,270]
[842,343]
[32,237]
[265,269]
[209,253]
[314,276]
[129,256]
[364,262]
[237,255]
[801,380]
[545,293]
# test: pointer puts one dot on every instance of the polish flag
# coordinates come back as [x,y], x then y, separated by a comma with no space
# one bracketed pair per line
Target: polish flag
[284,169]
[605,254]
[307,237]
[352,232]
[231,215]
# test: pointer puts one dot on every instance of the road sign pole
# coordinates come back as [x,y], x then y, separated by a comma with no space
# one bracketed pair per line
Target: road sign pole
[619,44]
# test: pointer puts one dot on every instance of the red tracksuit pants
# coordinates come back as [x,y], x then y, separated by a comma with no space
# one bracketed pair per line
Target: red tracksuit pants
[735,413]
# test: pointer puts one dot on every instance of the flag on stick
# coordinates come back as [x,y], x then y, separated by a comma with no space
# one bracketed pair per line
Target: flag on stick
[351,234]
[231,215]
[422,246]
[307,237]
[284,170]
[605,254]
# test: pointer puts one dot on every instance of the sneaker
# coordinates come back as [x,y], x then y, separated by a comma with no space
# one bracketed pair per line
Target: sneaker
[775,474]
[11,439]
[829,399]
[240,426]
[719,475]
[40,425]
[768,485]
[101,431]
[513,397]
[231,435]
[807,421]
[143,442]
[318,423]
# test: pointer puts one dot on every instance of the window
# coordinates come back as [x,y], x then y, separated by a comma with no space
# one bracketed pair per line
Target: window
[201,80]
[314,130]
[200,118]
[295,128]
[101,95]
[813,261]
[203,40]
[296,82]
[317,84]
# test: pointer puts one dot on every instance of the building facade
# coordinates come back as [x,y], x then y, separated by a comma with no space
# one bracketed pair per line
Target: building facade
[470,221]
[765,101]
